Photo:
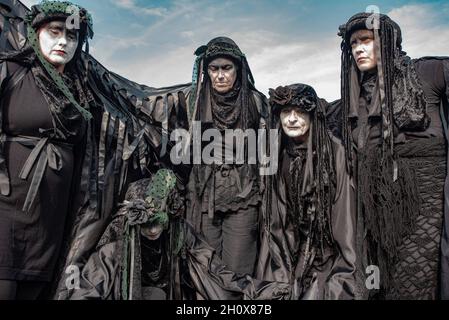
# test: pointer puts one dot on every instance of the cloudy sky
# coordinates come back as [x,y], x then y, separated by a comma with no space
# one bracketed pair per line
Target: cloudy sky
[289,41]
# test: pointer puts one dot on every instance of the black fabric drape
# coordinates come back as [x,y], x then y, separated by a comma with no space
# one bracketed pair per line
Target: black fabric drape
[197,270]
[124,138]
[335,276]
[444,275]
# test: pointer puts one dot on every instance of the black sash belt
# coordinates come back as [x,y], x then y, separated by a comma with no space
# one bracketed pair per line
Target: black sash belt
[44,154]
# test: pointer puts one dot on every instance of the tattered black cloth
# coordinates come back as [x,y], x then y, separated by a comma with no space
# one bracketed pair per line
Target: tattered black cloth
[224,188]
[177,265]
[69,171]
[390,124]
[308,210]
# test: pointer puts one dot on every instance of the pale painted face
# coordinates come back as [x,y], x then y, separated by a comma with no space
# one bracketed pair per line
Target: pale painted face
[58,44]
[223,74]
[296,124]
[363,50]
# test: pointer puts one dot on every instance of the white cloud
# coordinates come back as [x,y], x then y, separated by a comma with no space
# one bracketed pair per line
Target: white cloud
[158,70]
[422,36]
[272,65]
[132,6]
[316,63]
[275,58]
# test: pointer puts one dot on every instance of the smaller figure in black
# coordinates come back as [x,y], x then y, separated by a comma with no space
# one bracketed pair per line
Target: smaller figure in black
[148,252]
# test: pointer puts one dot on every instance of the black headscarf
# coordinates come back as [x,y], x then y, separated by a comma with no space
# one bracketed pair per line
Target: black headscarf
[48,11]
[402,103]
[312,186]
[399,98]
[71,86]
[233,110]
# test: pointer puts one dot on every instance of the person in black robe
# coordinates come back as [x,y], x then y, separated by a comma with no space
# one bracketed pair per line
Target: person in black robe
[308,234]
[149,252]
[41,129]
[223,198]
[391,118]
[70,142]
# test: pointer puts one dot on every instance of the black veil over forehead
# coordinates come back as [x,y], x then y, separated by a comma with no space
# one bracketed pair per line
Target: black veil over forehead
[299,95]
[48,11]
[201,88]
[222,47]
[362,21]
[392,65]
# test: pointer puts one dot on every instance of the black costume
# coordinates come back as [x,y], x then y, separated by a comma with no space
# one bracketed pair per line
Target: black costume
[168,261]
[40,131]
[35,235]
[308,235]
[64,149]
[223,199]
[124,141]
[394,137]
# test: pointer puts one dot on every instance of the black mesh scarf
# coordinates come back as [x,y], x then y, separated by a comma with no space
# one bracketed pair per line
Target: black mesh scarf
[234,109]
[225,107]
[387,196]
[312,172]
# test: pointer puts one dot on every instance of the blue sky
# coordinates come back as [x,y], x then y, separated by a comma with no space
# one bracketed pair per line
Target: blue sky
[290,41]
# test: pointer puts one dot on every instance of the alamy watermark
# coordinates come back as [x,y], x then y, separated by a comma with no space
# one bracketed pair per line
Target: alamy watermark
[233,147]
[72,282]
[372,281]
[73,20]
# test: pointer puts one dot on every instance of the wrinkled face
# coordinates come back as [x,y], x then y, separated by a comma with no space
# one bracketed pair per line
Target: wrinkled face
[57,43]
[363,50]
[296,124]
[223,74]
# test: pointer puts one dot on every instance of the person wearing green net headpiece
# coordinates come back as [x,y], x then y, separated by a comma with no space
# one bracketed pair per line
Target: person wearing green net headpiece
[149,252]
[67,137]
[45,117]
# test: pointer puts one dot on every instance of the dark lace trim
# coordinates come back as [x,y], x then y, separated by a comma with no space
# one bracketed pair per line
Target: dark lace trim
[381,197]
[114,232]
[66,119]
[409,104]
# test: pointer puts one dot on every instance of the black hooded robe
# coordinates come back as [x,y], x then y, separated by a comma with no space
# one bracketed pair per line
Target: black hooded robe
[119,143]
[333,277]
[422,266]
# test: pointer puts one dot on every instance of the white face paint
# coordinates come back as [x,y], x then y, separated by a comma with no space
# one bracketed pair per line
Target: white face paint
[58,45]
[363,50]
[296,124]
[222,73]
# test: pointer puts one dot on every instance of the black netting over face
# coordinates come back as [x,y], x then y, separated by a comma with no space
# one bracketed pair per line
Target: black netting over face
[61,10]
